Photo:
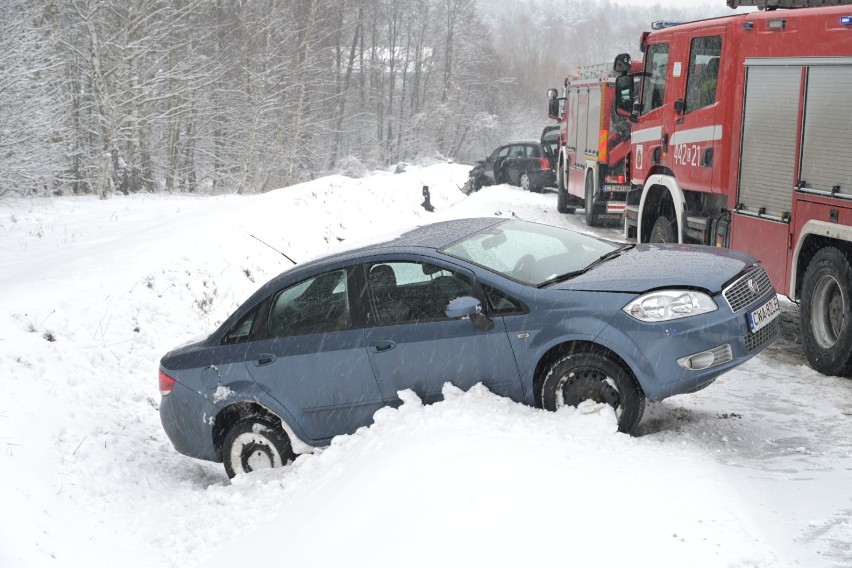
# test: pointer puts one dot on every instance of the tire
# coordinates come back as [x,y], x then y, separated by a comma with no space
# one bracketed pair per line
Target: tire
[562,192]
[253,443]
[826,313]
[663,231]
[594,375]
[525,182]
[591,215]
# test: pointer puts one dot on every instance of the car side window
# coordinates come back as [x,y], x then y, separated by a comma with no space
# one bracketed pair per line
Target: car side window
[503,152]
[410,292]
[500,303]
[703,72]
[241,332]
[533,152]
[316,305]
[654,86]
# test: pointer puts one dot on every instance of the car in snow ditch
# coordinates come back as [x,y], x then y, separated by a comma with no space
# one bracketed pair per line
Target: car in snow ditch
[530,164]
[542,315]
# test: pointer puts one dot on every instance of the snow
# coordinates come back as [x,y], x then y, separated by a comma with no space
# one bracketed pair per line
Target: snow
[754,471]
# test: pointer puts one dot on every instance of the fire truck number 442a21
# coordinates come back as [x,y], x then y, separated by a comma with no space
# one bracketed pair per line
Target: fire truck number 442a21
[687,154]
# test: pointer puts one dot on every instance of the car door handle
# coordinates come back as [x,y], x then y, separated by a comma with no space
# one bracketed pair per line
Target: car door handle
[264,359]
[381,346]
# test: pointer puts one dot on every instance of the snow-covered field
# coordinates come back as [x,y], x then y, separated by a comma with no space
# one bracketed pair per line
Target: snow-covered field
[754,471]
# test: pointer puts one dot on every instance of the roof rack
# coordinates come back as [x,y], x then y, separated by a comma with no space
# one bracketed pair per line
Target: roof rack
[773,4]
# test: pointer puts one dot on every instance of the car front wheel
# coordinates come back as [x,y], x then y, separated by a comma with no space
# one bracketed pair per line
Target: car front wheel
[598,377]
[254,443]
[826,313]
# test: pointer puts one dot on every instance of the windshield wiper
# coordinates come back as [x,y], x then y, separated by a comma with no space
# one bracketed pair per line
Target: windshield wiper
[603,258]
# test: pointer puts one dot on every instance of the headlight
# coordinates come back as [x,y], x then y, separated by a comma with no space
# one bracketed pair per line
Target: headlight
[665,305]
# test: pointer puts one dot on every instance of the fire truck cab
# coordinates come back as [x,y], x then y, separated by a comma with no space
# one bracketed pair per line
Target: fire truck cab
[742,138]
[594,143]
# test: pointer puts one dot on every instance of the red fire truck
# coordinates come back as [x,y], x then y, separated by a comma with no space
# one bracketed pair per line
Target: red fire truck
[742,138]
[594,144]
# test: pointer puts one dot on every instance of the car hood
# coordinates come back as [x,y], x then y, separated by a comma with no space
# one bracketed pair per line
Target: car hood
[654,266]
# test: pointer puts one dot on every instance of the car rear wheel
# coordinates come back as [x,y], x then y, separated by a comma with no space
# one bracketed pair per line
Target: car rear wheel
[598,377]
[826,313]
[253,443]
[525,182]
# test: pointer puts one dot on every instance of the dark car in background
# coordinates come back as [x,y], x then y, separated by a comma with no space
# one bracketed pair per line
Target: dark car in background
[541,315]
[530,164]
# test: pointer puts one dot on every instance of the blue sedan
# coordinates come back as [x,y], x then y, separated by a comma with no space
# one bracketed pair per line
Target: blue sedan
[539,314]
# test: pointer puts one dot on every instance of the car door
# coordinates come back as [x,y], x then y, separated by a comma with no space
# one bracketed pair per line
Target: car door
[312,358]
[497,163]
[412,344]
[516,163]
[697,137]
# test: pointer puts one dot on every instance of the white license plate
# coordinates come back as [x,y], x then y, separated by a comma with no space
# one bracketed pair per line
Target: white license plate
[762,316]
[617,188]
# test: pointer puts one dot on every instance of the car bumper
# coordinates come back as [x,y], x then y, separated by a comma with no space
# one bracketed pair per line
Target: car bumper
[190,431]
[652,350]
[543,178]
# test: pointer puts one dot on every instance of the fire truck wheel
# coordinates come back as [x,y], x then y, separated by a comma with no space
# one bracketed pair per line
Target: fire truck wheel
[826,313]
[562,201]
[663,231]
[592,219]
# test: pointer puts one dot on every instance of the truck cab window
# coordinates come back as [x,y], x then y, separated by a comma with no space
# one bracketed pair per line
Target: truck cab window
[703,72]
[654,85]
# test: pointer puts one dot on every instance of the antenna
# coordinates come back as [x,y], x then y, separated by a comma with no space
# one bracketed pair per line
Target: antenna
[275,249]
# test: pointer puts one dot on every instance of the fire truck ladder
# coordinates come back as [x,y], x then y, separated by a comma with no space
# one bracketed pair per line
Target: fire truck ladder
[773,4]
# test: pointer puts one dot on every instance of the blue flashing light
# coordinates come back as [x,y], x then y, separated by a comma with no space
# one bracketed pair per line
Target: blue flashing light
[662,24]
[846,20]
[748,25]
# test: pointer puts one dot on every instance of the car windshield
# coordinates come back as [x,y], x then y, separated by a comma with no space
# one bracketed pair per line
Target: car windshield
[531,253]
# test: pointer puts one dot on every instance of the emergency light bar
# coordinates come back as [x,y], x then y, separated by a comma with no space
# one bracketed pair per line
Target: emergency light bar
[845,20]
[662,25]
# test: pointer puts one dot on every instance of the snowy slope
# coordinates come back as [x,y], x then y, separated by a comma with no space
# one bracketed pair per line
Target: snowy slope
[753,471]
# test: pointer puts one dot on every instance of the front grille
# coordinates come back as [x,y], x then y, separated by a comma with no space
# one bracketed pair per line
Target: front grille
[739,294]
[762,335]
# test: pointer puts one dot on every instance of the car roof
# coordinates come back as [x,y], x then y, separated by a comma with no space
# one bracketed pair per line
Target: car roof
[529,141]
[433,236]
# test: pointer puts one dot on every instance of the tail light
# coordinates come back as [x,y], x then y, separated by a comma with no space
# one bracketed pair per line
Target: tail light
[543,164]
[166,383]
[616,179]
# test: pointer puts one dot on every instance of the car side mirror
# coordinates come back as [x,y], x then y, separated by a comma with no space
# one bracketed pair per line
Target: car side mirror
[469,307]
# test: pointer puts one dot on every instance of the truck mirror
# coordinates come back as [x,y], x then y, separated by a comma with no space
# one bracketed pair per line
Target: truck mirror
[624,95]
[552,93]
[553,108]
[621,64]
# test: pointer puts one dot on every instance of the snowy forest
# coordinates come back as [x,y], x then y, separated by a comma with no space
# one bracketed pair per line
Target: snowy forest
[236,96]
